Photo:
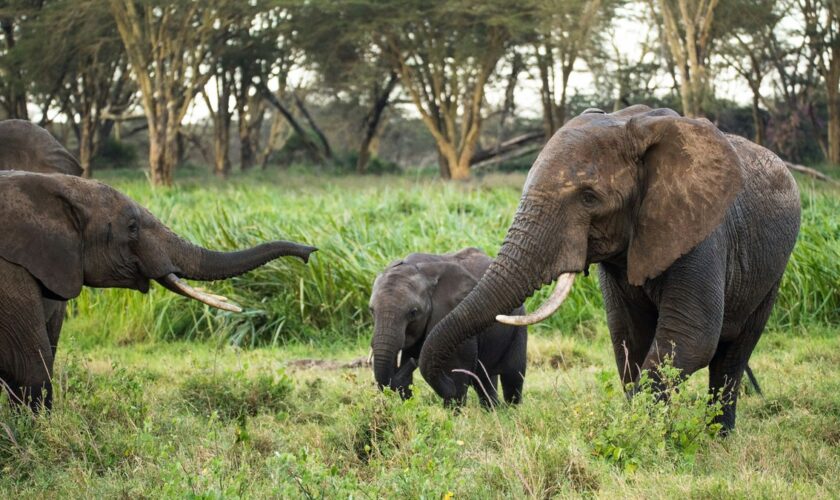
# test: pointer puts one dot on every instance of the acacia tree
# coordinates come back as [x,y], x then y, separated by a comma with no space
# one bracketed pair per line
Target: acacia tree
[748,49]
[687,26]
[168,44]
[564,32]
[822,30]
[13,82]
[74,59]
[445,54]
[349,62]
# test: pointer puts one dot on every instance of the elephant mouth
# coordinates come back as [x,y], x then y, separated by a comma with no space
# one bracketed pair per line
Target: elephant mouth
[174,284]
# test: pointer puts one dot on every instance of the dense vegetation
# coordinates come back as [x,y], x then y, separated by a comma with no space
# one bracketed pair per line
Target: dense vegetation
[160,396]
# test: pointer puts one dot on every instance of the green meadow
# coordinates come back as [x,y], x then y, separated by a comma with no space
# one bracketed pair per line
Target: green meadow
[158,396]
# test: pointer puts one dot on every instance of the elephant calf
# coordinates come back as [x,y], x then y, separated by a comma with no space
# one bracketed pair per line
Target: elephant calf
[60,233]
[411,296]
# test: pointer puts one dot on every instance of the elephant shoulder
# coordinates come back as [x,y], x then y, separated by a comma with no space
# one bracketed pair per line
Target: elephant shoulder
[764,172]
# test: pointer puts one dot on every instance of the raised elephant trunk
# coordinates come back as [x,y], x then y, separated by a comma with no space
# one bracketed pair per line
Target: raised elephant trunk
[197,263]
[529,258]
[182,259]
[388,340]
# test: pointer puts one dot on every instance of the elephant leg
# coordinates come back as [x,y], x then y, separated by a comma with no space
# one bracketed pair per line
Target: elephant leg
[487,390]
[512,387]
[727,367]
[513,376]
[26,357]
[631,319]
[690,296]
[54,311]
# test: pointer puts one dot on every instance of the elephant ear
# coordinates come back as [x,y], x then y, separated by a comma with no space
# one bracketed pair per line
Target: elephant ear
[41,231]
[690,175]
[451,282]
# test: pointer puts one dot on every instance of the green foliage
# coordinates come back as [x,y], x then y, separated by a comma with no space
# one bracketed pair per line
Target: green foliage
[661,420]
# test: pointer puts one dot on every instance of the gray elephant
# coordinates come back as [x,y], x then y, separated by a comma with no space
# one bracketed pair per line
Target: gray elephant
[26,146]
[61,233]
[691,229]
[411,296]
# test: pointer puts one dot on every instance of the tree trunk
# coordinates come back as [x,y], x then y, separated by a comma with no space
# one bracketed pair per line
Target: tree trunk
[86,138]
[373,120]
[758,122]
[832,81]
[443,165]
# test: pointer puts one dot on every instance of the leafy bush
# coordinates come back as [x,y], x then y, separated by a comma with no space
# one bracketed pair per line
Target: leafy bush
[657,422]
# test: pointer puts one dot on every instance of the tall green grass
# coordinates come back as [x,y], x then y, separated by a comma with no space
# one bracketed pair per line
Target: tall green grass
[360,224]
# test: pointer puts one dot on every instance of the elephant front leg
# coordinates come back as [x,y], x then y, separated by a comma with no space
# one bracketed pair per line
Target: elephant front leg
[631,318]
[26,356]
[690,298]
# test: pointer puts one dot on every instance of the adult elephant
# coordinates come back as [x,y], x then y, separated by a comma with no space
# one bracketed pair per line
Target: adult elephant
[691,228]
[26,146]
[60,233]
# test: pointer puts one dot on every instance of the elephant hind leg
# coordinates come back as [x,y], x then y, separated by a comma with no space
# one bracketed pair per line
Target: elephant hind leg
[730,360]
[486,388]
[512,387]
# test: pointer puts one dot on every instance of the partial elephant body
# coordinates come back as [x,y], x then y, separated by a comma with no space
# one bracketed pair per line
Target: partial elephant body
[692,230]
[411,296]
[26,146]
[61,233]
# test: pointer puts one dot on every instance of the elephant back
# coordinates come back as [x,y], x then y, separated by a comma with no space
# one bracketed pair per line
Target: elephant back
[26,146]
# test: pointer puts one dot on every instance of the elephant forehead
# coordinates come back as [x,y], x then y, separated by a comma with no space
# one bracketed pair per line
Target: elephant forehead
[577,162]
[397,284]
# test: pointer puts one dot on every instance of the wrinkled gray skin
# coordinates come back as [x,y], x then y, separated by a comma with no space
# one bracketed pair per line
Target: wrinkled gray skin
[60,233]
[692,229]
[411,296]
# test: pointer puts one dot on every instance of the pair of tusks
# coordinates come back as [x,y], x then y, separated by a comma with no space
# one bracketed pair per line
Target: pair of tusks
[399,357]
[561,291]
[201,296]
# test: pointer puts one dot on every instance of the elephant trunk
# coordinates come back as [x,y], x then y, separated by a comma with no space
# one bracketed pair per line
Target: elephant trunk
[528,259]
[388,339]
[197,263]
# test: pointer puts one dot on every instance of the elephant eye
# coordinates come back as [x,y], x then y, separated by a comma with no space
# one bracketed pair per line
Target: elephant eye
[133,228]
[412,314]
[589,198]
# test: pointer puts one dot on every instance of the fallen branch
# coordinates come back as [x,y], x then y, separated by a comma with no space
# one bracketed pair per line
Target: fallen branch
[512,155]
[810,172]
[507,146]
[328,364]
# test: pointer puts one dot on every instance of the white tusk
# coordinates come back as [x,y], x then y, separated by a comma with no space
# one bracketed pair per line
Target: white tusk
[205,292]
[561,291]
[370,356]
[211,300]
[399,358]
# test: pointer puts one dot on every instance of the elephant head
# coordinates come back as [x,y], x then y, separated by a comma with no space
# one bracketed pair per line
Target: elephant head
[68,232]
[26,146]
[409,298]
[637,188]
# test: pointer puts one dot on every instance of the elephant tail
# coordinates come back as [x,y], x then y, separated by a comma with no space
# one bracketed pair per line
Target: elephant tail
[753,381]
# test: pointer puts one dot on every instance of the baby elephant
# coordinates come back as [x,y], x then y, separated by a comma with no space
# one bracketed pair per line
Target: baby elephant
[411,296]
